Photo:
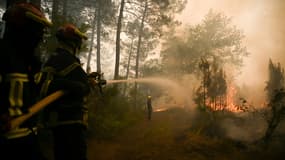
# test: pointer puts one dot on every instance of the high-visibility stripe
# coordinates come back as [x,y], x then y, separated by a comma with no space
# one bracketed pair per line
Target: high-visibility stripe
[80,34]
[38,19]
[19,132]
[16,88]
[38,77]
[51,72]
[68,69]
[49,77]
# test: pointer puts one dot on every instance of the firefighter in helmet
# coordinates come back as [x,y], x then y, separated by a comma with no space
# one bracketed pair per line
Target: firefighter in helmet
[68,116]
[149,107]
[24,26]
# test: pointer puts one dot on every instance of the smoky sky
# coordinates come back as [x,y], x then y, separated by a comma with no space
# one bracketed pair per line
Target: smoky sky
[262,22]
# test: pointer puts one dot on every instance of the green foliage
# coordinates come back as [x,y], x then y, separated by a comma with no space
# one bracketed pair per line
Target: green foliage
[215,39]
[110,114]
[108,11]
[213,88]
[151,68]
[218,85]
[147,20]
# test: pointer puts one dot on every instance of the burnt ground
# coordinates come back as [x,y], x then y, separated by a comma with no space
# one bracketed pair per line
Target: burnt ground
[169,136]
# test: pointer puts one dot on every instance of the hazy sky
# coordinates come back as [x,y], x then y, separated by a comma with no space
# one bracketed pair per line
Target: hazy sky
[262,22]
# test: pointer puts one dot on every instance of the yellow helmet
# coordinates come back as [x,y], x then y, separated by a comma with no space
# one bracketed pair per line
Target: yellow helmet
[70,34]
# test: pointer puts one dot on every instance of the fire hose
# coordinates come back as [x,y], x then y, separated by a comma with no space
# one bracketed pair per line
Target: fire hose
[97,79]
[36,108]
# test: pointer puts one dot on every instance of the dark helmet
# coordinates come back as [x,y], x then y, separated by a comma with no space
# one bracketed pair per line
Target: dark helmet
[70,34]
[25,24]
[22,14]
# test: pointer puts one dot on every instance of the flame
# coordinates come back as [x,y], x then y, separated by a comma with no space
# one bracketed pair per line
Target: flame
[160,109]
[228,102]
[231,94]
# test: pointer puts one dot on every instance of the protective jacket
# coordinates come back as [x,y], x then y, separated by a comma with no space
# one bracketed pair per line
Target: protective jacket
[63,71]
[23,26]
[18,90]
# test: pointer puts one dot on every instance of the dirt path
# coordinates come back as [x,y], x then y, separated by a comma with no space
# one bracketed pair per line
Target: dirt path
[147,140]
[167,137]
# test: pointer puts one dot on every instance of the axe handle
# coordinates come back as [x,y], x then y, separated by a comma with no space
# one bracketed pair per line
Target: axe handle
[36,108]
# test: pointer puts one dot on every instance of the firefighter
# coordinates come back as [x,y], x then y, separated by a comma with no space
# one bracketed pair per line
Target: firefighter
[23,31]
[149,107]
[67,117]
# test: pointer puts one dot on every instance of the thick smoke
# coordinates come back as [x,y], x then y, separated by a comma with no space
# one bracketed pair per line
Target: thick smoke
[263,25]
[262,22]
[177,94]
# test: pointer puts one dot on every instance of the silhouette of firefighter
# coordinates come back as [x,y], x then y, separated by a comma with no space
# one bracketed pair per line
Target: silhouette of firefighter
[23,30]
[67,117]
[149,108]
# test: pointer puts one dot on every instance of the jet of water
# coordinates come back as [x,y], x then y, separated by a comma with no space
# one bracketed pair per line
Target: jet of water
[180,94]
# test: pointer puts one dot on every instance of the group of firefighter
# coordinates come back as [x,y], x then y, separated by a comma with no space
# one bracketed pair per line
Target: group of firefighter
[26,80]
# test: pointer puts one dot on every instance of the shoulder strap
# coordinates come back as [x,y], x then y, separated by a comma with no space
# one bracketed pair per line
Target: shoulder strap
[50,72]
[68,69]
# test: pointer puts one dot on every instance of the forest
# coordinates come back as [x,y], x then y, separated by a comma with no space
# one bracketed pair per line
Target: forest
[142,49]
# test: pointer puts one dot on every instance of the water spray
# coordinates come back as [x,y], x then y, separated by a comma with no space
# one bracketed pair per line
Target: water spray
[178,92]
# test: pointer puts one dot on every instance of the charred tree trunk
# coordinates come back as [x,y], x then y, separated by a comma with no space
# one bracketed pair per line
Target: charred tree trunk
[277,113]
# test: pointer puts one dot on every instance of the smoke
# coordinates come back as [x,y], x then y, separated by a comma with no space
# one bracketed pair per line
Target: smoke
[262,22]
[263,25]
[177,94]
[247,127]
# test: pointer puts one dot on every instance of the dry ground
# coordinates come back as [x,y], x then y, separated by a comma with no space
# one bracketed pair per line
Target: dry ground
[168,137]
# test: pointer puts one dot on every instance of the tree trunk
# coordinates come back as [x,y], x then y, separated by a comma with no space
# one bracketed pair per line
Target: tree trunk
[118,40]
[140,37]
[128,66]
[129,59]
[64,8]
[88,68]
[138,49]
[55,6]
[98,46]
